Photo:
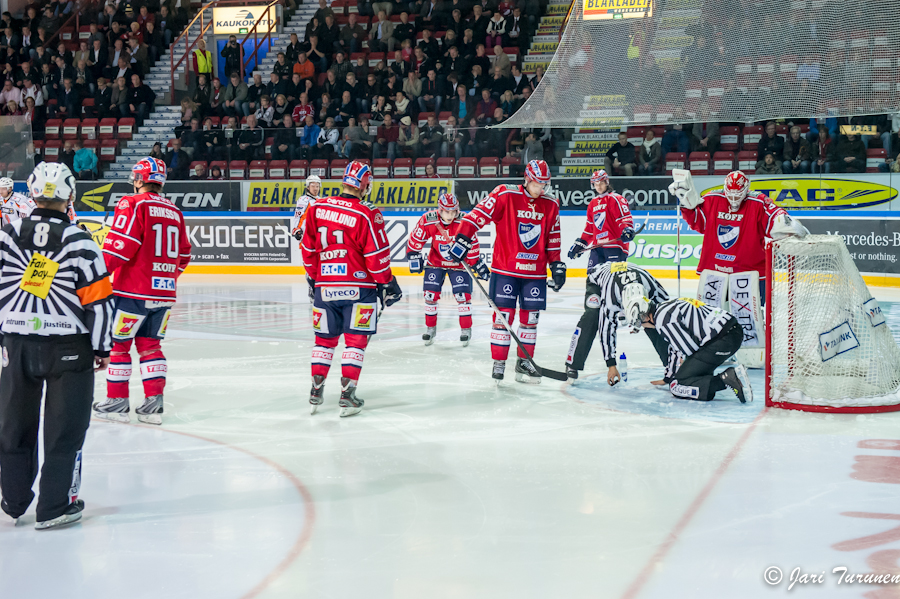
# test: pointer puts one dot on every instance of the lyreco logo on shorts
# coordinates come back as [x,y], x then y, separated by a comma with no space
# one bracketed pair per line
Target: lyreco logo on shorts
[335,294]
[163,283]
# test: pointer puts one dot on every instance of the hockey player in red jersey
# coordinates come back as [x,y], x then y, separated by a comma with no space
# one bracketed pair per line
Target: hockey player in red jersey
[146,249]
[608,230]
[528,241]
[440,227]
[347,254]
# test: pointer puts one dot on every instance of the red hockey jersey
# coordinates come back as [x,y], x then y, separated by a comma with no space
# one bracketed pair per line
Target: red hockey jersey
[733,241]
[528,237]
[431,227]
[607,216]
[344,243]
[147,247]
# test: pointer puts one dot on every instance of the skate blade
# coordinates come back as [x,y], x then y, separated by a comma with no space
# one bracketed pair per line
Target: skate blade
[528,380]
[150,419]
[123,417]
[350,411]
[313,408]
[744,378]
[465,343]
[63,520]
[429,342]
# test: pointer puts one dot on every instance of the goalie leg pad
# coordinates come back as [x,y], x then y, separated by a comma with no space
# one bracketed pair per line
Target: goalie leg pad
[713,289]
[745,306]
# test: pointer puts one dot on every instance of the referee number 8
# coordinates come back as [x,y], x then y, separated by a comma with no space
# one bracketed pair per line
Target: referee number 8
[41,234]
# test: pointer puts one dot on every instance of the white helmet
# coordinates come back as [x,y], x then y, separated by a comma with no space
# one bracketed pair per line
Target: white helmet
[636,305]
[313,179]
[6,183]
[52,181]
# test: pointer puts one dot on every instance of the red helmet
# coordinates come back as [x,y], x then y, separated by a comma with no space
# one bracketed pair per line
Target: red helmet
[149,170]
[737,185]
[537,171]
[599,175]
[448,202]
[358,175]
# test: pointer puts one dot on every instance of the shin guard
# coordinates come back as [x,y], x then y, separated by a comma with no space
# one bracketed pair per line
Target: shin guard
[323,354]
[528,321]
[354,354]
[153,365]
[500,337]
[119,371]
[464,301]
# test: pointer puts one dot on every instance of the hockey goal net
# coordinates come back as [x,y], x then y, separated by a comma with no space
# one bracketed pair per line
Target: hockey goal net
[828,345]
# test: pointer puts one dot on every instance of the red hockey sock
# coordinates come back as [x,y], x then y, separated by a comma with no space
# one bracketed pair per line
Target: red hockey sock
[527,332]
[431,311]
[354,354]
[465,310]
[500,337]
[323,354]
[153,365]
[119,370]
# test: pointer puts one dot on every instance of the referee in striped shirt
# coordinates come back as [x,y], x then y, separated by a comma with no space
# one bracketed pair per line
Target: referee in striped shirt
[55,319]
[703,336]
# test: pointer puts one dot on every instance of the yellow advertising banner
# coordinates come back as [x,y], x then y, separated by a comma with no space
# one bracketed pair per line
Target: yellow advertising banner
[397,193]
[821,193]
[544,48]
[617,9]
[240,19]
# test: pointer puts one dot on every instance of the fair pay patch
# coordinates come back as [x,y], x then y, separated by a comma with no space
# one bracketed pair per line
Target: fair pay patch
[39,275]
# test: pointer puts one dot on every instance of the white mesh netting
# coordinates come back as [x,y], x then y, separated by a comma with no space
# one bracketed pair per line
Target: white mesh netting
[719,60]
[830,345]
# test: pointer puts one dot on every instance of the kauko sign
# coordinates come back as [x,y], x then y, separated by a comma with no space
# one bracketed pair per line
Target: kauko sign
[241,19]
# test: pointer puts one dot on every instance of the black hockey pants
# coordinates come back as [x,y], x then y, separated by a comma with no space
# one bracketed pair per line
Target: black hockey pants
[695,379]
[65,364]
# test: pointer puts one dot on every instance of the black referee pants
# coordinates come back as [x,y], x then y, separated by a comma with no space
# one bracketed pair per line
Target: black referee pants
[695,379]
[65,364]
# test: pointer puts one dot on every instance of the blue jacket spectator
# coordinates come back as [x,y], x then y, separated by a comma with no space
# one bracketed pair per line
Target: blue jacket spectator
[85,163]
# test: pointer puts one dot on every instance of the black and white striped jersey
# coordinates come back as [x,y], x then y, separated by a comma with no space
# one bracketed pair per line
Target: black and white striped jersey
[53,280]
[688,324]
[611,278]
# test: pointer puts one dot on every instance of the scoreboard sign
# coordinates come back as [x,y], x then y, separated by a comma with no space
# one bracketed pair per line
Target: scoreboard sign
[597,10]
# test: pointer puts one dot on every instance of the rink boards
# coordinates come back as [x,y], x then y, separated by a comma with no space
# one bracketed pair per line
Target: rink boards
[260,243]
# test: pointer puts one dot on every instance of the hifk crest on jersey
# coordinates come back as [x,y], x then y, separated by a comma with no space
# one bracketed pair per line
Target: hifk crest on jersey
[529,233]
[728,235]
[444,249]
[599,218]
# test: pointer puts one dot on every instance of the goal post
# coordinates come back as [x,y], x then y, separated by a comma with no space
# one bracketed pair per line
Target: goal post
[828,345]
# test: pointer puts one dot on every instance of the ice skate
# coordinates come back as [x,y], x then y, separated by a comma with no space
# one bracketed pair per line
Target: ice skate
[6,509]
[571,373]
[464,336]
[151,411]
[429,335]
[115,409]
[72,514]
[526,373]
[736,379]
[499,370]
[316,394]
[350,404]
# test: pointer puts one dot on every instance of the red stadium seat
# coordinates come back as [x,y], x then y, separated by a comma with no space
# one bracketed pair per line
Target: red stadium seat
[199,162]
[222,165]
[747,161]
[267,147]
[108,150]
[423,118]
[675,160]
[125,128]
[38,148]
[52,128]
[87,106]
[375,58]
[420,165]
[319,168]
[446,167]
[278,169]
[258,169]
[443,116]
[337,168]
[636,135]
[699,163]
[70,128]
[643,113]
[51,150]
[874,158]
[107,128]
[489,166]
[403,168]
[723,163]
[466,168]
[506,163]
[237,170]
[89,128]
[298,169]
[92,144]
[730,138]
[752,135]
[381,167]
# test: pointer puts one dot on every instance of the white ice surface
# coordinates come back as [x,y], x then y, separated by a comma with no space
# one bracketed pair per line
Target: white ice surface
[447,486]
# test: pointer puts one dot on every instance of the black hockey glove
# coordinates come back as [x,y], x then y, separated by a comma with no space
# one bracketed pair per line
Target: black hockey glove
[558,272]
[627,234]
[312,288]
[390,294]
[298,234]
[578,248]
[460,248]
[415,262]
[481,269]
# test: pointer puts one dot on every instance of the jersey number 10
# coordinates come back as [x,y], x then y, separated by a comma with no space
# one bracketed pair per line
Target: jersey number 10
[171,237]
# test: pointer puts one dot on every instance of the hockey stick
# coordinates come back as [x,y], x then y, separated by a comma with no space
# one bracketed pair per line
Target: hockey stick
[636,233]
[550,374]
[678,246]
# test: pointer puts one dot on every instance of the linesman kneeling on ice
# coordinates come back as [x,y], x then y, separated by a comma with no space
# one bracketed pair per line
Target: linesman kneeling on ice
[704,337]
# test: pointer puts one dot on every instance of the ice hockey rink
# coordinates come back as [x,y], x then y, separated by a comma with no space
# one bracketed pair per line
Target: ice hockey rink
[448,486]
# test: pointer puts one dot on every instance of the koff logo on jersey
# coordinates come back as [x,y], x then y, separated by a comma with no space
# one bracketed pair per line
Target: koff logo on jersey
[732,216]
[530,214]
[529,234]
[728,235]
